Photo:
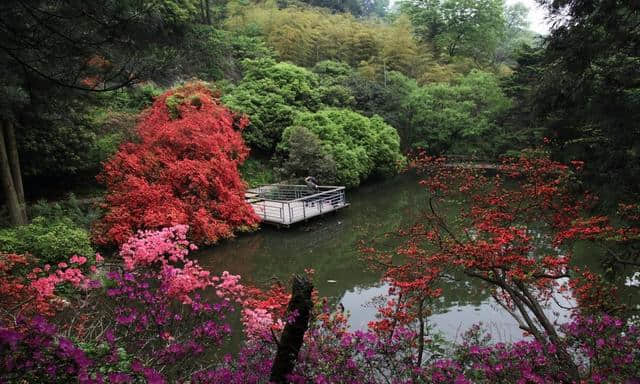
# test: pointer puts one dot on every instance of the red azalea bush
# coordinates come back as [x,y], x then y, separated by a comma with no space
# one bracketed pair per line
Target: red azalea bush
[29,289]
[183,170]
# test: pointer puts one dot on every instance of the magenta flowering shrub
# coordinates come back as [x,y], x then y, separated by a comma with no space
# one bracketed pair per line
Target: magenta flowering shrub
[152,320]
[40,355]
[160,332]
[521,362]
[162,318]
[161,313]
[252,365]
[605,348]
[333,354]
[608,348]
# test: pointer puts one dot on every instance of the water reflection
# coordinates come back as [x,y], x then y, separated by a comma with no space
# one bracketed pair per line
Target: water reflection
[452,316]
[328,245]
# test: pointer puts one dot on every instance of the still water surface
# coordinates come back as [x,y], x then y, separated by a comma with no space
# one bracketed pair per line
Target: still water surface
[329,246]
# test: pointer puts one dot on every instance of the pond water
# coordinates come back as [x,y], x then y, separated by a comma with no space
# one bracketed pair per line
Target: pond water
[329,246]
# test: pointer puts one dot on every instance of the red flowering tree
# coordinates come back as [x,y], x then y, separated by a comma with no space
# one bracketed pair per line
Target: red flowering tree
[183,170]
[511,233]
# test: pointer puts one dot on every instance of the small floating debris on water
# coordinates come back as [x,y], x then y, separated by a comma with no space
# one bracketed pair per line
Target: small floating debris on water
[331,281]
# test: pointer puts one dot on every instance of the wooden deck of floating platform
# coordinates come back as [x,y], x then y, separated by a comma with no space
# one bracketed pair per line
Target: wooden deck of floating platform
[284,204]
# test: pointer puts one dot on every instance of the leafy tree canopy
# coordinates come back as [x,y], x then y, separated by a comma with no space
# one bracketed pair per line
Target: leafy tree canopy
[308,36]
[589,94]
[470,28]
[89,45]
[358,145]
[457,118]
[270,93]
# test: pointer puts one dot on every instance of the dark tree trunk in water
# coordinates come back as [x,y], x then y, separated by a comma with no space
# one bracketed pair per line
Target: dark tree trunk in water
[421,335]
[293,333]
[14,203]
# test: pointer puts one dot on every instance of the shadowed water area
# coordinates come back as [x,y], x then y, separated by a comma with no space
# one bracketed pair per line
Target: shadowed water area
[329,246]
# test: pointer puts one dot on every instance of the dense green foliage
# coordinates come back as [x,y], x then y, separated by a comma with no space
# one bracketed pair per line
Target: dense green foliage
[270,94]
[257,172]
[370,97]
[589,96]
[460,118]
[81,212]
[359,146]
[52,241]
[453,77]
[306,37]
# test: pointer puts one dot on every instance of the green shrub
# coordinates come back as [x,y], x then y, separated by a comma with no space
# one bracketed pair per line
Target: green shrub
[256,172]
[142,96]
[306,156]
[105,146]
[359,146]
[270,94]
[173,102]
[332,71]
[51,241]
[133,99]
[56,148]
[82,214]
[459,118]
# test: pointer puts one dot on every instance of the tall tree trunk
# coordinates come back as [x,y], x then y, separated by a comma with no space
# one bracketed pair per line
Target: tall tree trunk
[208,10]
[561,352]
[14,163]
[293,333]
[11,195]
[202,13]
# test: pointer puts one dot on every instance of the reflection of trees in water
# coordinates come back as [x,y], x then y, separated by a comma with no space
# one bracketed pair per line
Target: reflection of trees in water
[236,256]
[328,244]
[590,255]
[461,290]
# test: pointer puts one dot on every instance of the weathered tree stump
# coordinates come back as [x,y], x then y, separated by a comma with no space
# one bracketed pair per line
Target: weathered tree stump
[298,313]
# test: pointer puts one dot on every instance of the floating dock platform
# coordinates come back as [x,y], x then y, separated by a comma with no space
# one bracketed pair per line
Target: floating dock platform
[285,204]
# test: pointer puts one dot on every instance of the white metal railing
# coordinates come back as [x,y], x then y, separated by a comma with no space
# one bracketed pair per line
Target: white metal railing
[287,204]
[286,192]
